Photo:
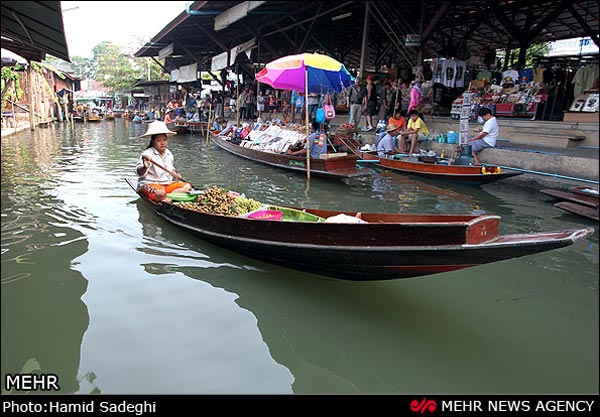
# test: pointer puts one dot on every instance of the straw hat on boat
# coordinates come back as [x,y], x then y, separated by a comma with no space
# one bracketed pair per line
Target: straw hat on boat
[157,128]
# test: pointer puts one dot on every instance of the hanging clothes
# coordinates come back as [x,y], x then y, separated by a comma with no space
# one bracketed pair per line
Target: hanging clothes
[438,70]
[449,73]
[459,80]
[584,78]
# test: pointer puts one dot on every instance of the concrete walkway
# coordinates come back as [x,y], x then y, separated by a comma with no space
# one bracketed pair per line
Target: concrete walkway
[543,166]
[7,131]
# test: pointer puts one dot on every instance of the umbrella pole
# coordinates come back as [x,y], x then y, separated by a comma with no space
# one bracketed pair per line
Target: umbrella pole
[306,119]
[396,100]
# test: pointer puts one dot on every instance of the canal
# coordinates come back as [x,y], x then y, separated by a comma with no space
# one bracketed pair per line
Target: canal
[99,291]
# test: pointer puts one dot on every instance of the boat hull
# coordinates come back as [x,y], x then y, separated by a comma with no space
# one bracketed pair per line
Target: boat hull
[342,167]
[389,246]
[464,174]
[178,127]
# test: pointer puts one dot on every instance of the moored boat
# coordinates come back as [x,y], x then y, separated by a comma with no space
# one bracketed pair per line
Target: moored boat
[197,127]
[579,200]
[374,246]
[336,166]
[178,127]
[438,168]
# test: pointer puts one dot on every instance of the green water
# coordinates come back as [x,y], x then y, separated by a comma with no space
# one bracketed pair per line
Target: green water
[112,299]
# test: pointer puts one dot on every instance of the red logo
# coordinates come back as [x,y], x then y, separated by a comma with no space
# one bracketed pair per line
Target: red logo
[423,405]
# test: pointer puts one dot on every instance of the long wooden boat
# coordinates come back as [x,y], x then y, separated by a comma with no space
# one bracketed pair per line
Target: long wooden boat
[592,213]
[197,127]
[339,167]
[178,127]
[465,174]
[384,246]
[586,190]
[578,198]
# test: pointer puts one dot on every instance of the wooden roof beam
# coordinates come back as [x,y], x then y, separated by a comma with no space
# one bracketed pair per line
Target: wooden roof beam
[316,16]
[584,25]
[310,28]
[212,38]
[434,20]
[498,12]
[528,37]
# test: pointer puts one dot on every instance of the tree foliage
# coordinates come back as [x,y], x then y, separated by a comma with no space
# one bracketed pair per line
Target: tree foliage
[534,50]
[115,66]
[15,92]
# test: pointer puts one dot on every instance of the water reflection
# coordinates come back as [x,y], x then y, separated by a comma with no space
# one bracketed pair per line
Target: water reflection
[98,289]
[425,335]
[43,317]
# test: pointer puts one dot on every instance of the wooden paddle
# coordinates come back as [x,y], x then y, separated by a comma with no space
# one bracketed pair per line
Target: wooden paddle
[172,173]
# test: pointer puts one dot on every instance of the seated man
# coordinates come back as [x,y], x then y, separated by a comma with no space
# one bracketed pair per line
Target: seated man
[487,136]
[317,142]
[387,144]
[416,131]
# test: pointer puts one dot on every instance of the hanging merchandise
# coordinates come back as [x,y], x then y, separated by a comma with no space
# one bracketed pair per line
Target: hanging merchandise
[585,78]
[320,113]
[438,70]
[329,109]
[459,79]
[509,76]
[449,72]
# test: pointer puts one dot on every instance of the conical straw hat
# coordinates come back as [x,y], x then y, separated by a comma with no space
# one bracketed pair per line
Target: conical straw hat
[157,128]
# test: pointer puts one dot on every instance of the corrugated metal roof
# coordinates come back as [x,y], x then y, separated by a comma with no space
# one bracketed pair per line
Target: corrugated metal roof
[33,29]
[286,27]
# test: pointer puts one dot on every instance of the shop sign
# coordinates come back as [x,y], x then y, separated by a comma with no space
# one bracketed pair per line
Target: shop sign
[412,39]
[573,46]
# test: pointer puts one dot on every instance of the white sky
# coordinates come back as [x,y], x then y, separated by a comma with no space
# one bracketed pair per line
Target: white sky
[87,23]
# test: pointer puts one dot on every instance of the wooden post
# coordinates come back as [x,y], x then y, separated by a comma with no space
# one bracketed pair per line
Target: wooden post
[30,97]
[237,98]
[365,41]
[208,123]
[12,106]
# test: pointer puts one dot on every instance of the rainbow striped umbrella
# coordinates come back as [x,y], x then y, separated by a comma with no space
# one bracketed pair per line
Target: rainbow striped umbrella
[325,74]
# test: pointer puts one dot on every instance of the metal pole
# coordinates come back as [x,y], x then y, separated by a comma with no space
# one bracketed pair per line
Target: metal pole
[546,173]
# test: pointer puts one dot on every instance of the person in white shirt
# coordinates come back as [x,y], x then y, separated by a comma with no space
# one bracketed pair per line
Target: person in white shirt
[487,137]
[157,175]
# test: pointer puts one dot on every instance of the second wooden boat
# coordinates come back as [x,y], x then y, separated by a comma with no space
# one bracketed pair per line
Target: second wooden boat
[335,167]
[466,174]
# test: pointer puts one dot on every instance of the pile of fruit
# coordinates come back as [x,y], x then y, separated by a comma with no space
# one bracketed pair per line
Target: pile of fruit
[215,200]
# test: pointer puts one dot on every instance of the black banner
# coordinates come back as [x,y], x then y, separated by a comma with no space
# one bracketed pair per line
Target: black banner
[417,405]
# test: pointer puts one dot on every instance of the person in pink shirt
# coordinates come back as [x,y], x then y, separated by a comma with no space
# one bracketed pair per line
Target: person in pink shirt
[416,96]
